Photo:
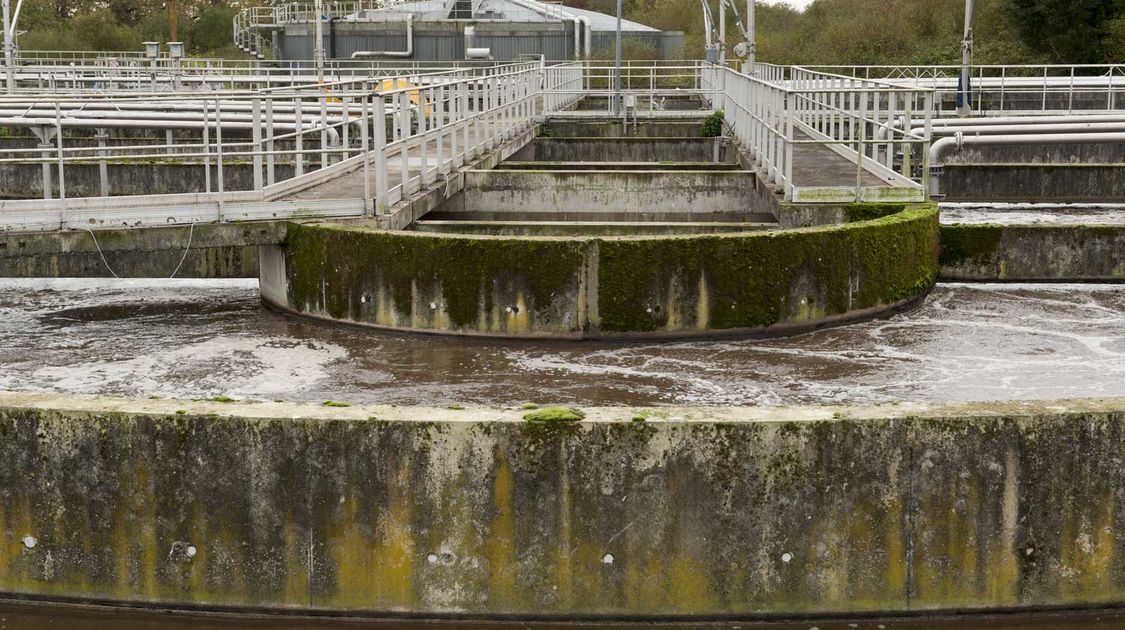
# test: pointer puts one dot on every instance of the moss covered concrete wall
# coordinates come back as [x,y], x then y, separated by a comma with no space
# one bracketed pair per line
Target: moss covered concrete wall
[1033,252]
[754,282]
[629,512]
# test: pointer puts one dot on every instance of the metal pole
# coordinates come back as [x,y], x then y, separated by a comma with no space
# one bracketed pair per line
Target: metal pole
[318,36]
[617,65]
[722,32]
[751,34]
[9,61]
[965,105]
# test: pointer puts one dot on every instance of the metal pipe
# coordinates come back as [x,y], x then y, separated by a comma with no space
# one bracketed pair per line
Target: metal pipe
[409,52]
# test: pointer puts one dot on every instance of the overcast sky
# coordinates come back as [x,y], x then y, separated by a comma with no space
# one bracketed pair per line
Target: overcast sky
[800,4]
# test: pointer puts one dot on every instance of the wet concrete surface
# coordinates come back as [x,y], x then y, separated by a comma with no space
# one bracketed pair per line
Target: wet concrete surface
[40,616]
[193,339]
[1033,214]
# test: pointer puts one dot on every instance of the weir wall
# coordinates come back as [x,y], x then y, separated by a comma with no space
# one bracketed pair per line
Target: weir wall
[630,513]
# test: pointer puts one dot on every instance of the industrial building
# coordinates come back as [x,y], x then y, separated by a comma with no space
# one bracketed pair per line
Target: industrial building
[443,30]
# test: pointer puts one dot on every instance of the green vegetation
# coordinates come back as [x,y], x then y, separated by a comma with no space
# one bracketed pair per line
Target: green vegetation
[828,32]
[904,31]
[204,26]
[529,406]
[555,414]
[222,399]
[335,403]
[713,125]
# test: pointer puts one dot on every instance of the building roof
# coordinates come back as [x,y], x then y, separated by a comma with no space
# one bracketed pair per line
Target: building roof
[508,10]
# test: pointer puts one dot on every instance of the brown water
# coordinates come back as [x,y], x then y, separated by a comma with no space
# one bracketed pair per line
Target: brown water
[190,339]
[19,616]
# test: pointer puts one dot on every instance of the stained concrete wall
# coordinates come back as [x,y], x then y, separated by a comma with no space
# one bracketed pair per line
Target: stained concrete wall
[559,127]
[25,181]
[583,195]
[631,512]
[1058,183]
[213,251]
[637,149]
[1033,252]
[753,283]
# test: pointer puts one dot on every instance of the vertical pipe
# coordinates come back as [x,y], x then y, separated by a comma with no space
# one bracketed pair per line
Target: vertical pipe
[9,53]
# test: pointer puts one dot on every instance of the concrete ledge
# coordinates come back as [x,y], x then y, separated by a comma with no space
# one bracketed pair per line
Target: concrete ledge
[680,513]
[755,283]
[1060,253]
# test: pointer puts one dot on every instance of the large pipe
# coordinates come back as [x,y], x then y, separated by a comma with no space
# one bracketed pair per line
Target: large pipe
[943,145]
[1000,130]
[409,52]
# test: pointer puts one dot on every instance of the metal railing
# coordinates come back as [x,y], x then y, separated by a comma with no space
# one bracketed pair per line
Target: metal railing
[805,111]
[1049,88]
[252,155]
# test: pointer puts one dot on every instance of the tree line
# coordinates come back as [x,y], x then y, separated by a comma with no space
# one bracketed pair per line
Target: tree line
[828,32]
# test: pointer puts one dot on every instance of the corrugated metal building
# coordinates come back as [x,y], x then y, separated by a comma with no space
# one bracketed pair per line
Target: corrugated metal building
[502,30]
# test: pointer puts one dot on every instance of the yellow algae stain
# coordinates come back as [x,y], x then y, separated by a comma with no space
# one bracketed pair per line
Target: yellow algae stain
[703,305]
[501,547]
[895,546]
[518,317]
[691,587]
[378,570]
[1003,578]
[296,586]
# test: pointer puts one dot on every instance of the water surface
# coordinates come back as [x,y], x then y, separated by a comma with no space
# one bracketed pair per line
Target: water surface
[193,338]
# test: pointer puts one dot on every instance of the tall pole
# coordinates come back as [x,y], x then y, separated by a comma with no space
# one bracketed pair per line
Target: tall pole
[617,65]
[318,42]
[751,34]
[9,44]
[964,90]
[723,32]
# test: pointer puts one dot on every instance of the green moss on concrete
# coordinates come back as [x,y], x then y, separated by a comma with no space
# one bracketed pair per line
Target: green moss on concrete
[341,270]
[867,211]
[969,244]
[759,280]
[555,414]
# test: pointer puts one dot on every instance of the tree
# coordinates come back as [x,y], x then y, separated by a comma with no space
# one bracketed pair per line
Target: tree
[1068,31]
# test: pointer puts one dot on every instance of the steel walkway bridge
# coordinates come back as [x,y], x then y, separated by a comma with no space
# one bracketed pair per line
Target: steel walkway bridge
[362,143]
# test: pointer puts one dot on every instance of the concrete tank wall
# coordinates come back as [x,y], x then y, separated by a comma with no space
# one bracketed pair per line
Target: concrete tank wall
[25,181]
[1016,253]
[1040,183]
[668,512]
[751,283]
[636,149]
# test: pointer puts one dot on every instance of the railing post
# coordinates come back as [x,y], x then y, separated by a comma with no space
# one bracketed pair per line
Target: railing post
[270,171]
[206,147]
[219,149]
[62,169]
[299,139]
[364,120]
[380,129]
[256,131]
[787,171]
[101,133]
